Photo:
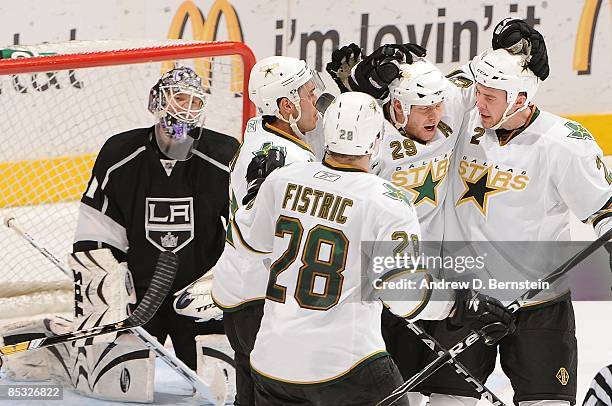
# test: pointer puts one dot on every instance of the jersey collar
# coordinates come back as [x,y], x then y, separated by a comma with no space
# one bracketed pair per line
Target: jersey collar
[332,164]
[504,136]
[277,131]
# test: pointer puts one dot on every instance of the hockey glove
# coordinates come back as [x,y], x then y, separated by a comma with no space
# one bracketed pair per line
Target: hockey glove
[376,71]
[517,36]
[609,248]
[260,167]
[343,60]
[195,300]
[482,313]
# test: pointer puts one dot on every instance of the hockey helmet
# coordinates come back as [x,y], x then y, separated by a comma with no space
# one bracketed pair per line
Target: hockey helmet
[420,84]
[177,100]
[353,124]
[499,69]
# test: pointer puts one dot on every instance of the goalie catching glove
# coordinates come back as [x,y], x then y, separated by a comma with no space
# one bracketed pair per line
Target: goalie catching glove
[484,314]
[518,37]
[373,74]
[195,300]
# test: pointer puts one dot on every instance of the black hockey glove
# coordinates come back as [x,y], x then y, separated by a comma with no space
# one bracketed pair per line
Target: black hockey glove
[483,313]
[259,168]
[377,70]
[609,248]
[373,74]
[517,36]
[342,62]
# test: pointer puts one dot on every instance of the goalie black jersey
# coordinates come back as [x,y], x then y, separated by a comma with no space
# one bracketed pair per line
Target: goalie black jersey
[141,205]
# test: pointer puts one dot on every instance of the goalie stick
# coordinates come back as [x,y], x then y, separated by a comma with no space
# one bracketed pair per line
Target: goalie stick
[474,336]
[216,390]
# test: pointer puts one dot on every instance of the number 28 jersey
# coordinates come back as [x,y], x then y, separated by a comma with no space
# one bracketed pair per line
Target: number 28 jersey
[311,220]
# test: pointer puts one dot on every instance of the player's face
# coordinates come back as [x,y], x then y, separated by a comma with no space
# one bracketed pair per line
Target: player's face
[491,104]
[423,121]
[308,100]
[185,105]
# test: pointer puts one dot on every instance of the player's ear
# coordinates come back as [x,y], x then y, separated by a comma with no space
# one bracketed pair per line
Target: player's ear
[285,107]
[520,100]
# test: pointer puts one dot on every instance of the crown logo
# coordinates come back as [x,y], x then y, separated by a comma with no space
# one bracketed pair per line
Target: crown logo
[169,240]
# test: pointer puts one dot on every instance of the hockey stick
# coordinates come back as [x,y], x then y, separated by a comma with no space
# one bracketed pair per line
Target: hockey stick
[150,342]
[461,370]
[473,337]
[165,270]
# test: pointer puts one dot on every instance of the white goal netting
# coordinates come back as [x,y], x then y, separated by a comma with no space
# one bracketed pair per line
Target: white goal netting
[57,118]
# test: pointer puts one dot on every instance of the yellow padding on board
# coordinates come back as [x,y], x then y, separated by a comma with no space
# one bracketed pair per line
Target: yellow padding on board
[43,181]
[64,179]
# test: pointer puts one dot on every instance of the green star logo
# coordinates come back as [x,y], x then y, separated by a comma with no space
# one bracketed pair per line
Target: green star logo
[578,131]
[427,190]
[396,194]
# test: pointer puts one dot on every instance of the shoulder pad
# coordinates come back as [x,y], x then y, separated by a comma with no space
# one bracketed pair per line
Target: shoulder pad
[459,79]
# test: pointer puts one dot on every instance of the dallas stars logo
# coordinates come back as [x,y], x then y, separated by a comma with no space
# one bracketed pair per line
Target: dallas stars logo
[265,149]
[479,191]
[428,189]
[396,194]
[578,131]
[268,70]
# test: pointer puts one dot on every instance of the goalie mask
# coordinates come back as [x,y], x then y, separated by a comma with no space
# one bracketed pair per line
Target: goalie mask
[177,100]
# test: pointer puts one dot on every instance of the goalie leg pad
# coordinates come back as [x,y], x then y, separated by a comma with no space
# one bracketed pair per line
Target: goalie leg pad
[30,365]
[121,371]
[103,290]
[216,364]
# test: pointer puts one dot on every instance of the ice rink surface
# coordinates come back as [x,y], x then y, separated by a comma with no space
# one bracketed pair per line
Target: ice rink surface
[594,351]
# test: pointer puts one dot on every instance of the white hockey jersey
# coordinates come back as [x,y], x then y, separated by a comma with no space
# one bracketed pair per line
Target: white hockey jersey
[421,169]
[522,187]
[238,281]
[312,220]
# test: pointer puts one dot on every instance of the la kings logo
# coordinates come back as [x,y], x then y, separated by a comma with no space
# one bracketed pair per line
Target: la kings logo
[169,222]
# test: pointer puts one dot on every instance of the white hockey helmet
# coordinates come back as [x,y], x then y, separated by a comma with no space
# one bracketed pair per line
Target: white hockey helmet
[420,84]
[352,124]
[499,69]
[276,77]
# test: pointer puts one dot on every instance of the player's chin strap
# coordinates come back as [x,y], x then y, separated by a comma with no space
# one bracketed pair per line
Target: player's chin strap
[293,121]
[393,116]
[505,117]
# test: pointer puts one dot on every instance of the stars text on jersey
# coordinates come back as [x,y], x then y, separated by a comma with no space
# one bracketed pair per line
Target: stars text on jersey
[482,181]
[423,179]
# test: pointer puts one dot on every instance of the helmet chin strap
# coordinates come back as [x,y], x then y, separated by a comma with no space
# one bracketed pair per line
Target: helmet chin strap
[396,123]
[505,117]
[293,121]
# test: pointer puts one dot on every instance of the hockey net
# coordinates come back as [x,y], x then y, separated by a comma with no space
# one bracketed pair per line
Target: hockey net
[60,102]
